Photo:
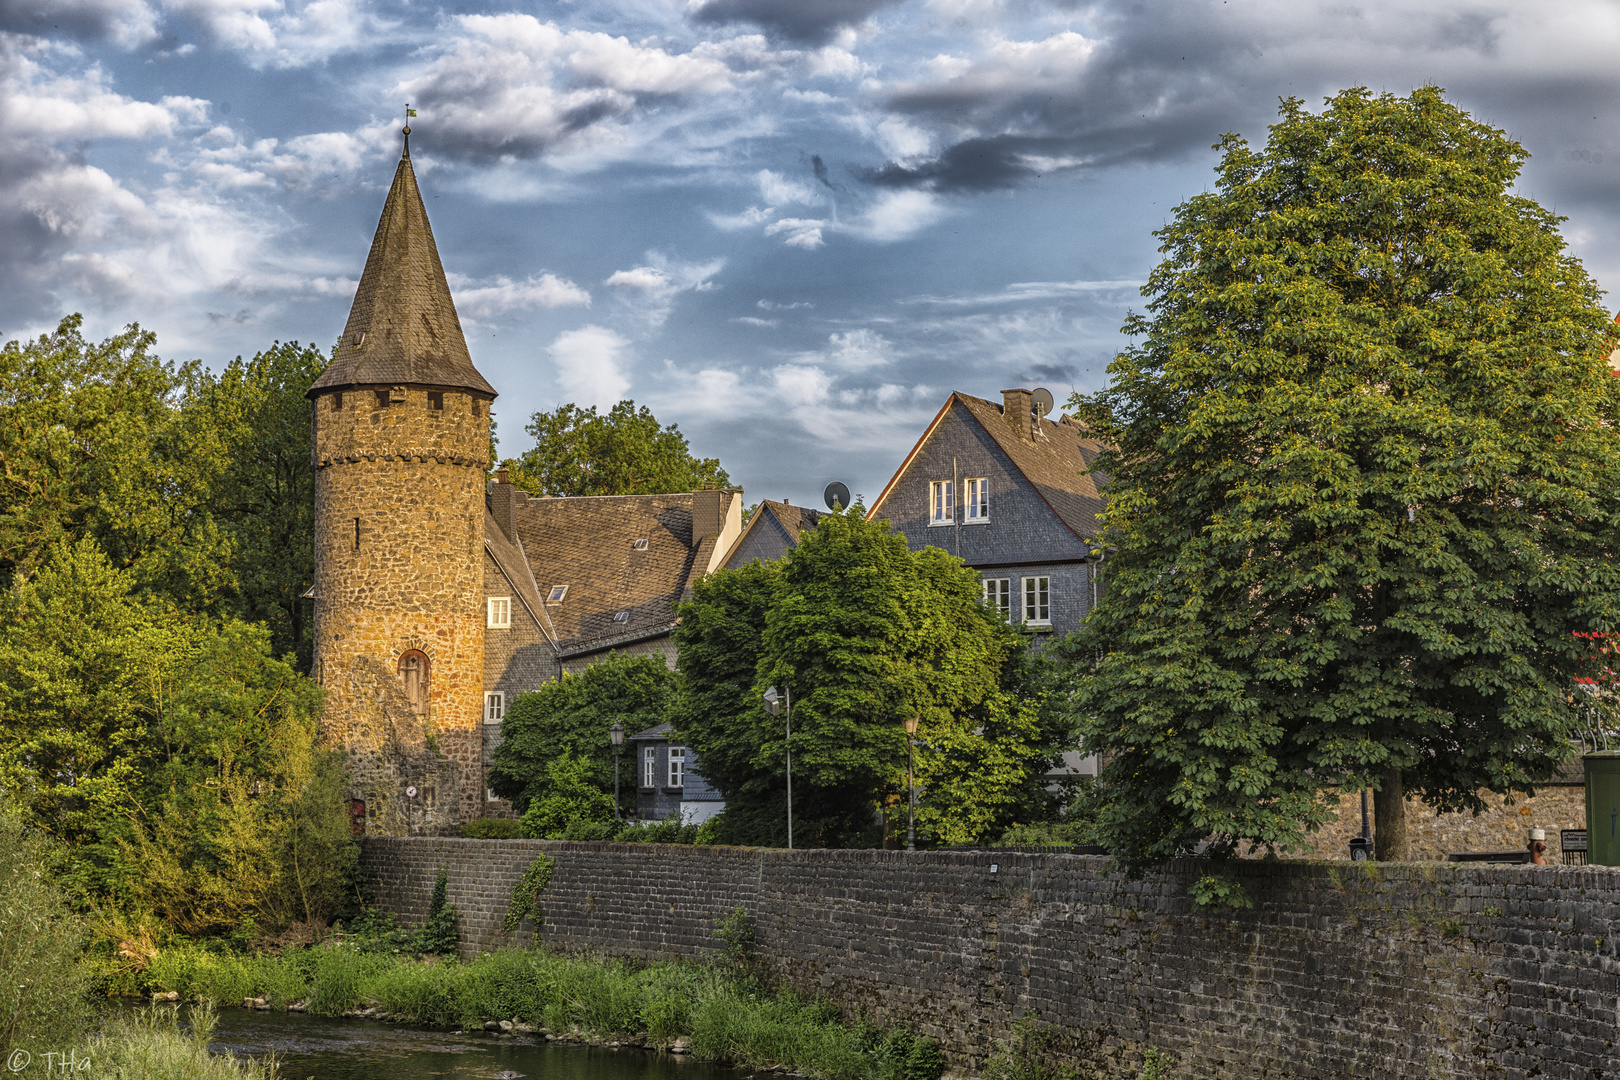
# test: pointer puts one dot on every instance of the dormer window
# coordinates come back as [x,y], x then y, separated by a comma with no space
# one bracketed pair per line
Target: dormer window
[621,616]
[639,545]
[557,593]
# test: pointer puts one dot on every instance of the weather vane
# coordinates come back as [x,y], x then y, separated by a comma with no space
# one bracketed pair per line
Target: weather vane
[406,130]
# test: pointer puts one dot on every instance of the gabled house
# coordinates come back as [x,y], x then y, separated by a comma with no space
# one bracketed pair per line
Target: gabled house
[668,781]
[1008,492]
[771,531]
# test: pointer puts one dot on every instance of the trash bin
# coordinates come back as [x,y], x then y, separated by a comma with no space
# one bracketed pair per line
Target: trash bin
[1603,807]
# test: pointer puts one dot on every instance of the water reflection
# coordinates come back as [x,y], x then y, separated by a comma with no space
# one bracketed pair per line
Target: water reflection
[324,1048]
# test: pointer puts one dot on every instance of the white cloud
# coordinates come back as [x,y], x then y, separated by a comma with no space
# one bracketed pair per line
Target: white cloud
[749,218]
[538,291]
[286,33]
[897,215]
[852,350]
[510,86]
[590,365]
[1026,291]
[800,232]
[126,23]
[652,288]
[777,189]
[803,385]
[37,102]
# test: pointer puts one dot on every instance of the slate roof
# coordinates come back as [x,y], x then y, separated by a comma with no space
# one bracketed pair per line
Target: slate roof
[403,328]
[586,544]
[1054,462]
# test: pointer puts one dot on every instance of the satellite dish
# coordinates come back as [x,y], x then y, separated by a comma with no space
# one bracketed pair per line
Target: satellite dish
[837,496]
[1042,401]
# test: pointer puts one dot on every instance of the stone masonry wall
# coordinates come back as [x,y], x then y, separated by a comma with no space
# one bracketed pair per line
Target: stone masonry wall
[1504,826]
[1364,970]
[399,556]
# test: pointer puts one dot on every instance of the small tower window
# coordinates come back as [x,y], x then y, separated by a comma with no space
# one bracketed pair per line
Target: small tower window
[413,674]
[337,401]
[436,400]
[382,399]
[357,534]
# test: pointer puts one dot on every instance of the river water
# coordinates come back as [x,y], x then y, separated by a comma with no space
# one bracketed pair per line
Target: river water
[324,1048]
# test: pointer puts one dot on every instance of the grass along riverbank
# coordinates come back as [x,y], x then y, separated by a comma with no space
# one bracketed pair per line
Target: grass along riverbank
[720,1014]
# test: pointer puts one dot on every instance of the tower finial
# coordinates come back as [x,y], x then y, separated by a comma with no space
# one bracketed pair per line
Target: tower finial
[406,130]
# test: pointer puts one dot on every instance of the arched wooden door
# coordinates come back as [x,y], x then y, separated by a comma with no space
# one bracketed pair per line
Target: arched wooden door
[413,673]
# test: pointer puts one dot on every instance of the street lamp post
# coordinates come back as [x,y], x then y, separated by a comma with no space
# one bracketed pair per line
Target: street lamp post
[782,705]
[911,782]
[616,736]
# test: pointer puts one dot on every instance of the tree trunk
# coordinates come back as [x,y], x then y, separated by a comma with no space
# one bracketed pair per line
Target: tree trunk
[1389,820]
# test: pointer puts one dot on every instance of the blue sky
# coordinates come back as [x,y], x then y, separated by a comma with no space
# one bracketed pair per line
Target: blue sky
[790,226]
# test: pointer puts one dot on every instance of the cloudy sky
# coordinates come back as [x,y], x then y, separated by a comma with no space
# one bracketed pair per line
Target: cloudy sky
[790,226]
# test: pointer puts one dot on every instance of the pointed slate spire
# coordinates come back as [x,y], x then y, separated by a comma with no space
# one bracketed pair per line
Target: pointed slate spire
[403,327]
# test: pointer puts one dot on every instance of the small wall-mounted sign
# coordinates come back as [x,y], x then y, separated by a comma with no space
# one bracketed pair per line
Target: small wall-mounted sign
[994,867]
[410,792]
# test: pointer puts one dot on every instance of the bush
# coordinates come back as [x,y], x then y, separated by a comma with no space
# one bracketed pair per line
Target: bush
[42,984]
[668,831]
[492,829]
[151,1045]
[569,796]
[441,935]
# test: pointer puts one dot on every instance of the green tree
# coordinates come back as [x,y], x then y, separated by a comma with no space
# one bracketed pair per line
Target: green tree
[176,758]
[248,429]
[570,794]
[580,452]
[42,984]
[862,632]
[1363,489]
[198,484]
[571,717]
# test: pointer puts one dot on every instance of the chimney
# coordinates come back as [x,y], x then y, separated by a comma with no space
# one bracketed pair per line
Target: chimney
[1018,409]
[708,513]
[503,504]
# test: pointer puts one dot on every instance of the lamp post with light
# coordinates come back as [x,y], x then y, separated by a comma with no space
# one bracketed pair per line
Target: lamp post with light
[911,782]
[616,737]
[782,705]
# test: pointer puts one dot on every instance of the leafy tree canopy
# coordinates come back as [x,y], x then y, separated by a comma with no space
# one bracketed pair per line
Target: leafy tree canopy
[625,452]
[571,717]
[1363,488]
[862,633]
[175,757]
[198,483]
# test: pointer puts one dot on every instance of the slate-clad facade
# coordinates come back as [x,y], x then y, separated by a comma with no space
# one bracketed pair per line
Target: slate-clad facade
[1032,521]
[663,790]
[773,529]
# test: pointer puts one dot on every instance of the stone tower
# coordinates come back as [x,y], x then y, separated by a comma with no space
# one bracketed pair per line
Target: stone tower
[401,448]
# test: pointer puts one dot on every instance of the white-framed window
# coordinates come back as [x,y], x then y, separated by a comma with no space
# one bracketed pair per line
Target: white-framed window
[494,706]
[500,612]
[978,501]
[998,594]
[557,593]
[649,766]
[942,502]
[1037,601]
[677,766]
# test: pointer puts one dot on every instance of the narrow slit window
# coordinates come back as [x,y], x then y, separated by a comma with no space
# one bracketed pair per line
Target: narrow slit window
[337,401]
[357,534]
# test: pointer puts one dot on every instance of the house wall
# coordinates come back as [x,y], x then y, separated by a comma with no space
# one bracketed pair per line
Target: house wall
[1022,532]
[1374,970]
[766,541]
[518,658]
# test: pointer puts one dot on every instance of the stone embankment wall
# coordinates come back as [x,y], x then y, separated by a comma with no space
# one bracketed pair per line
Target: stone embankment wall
[1504,825]
[1349,970]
